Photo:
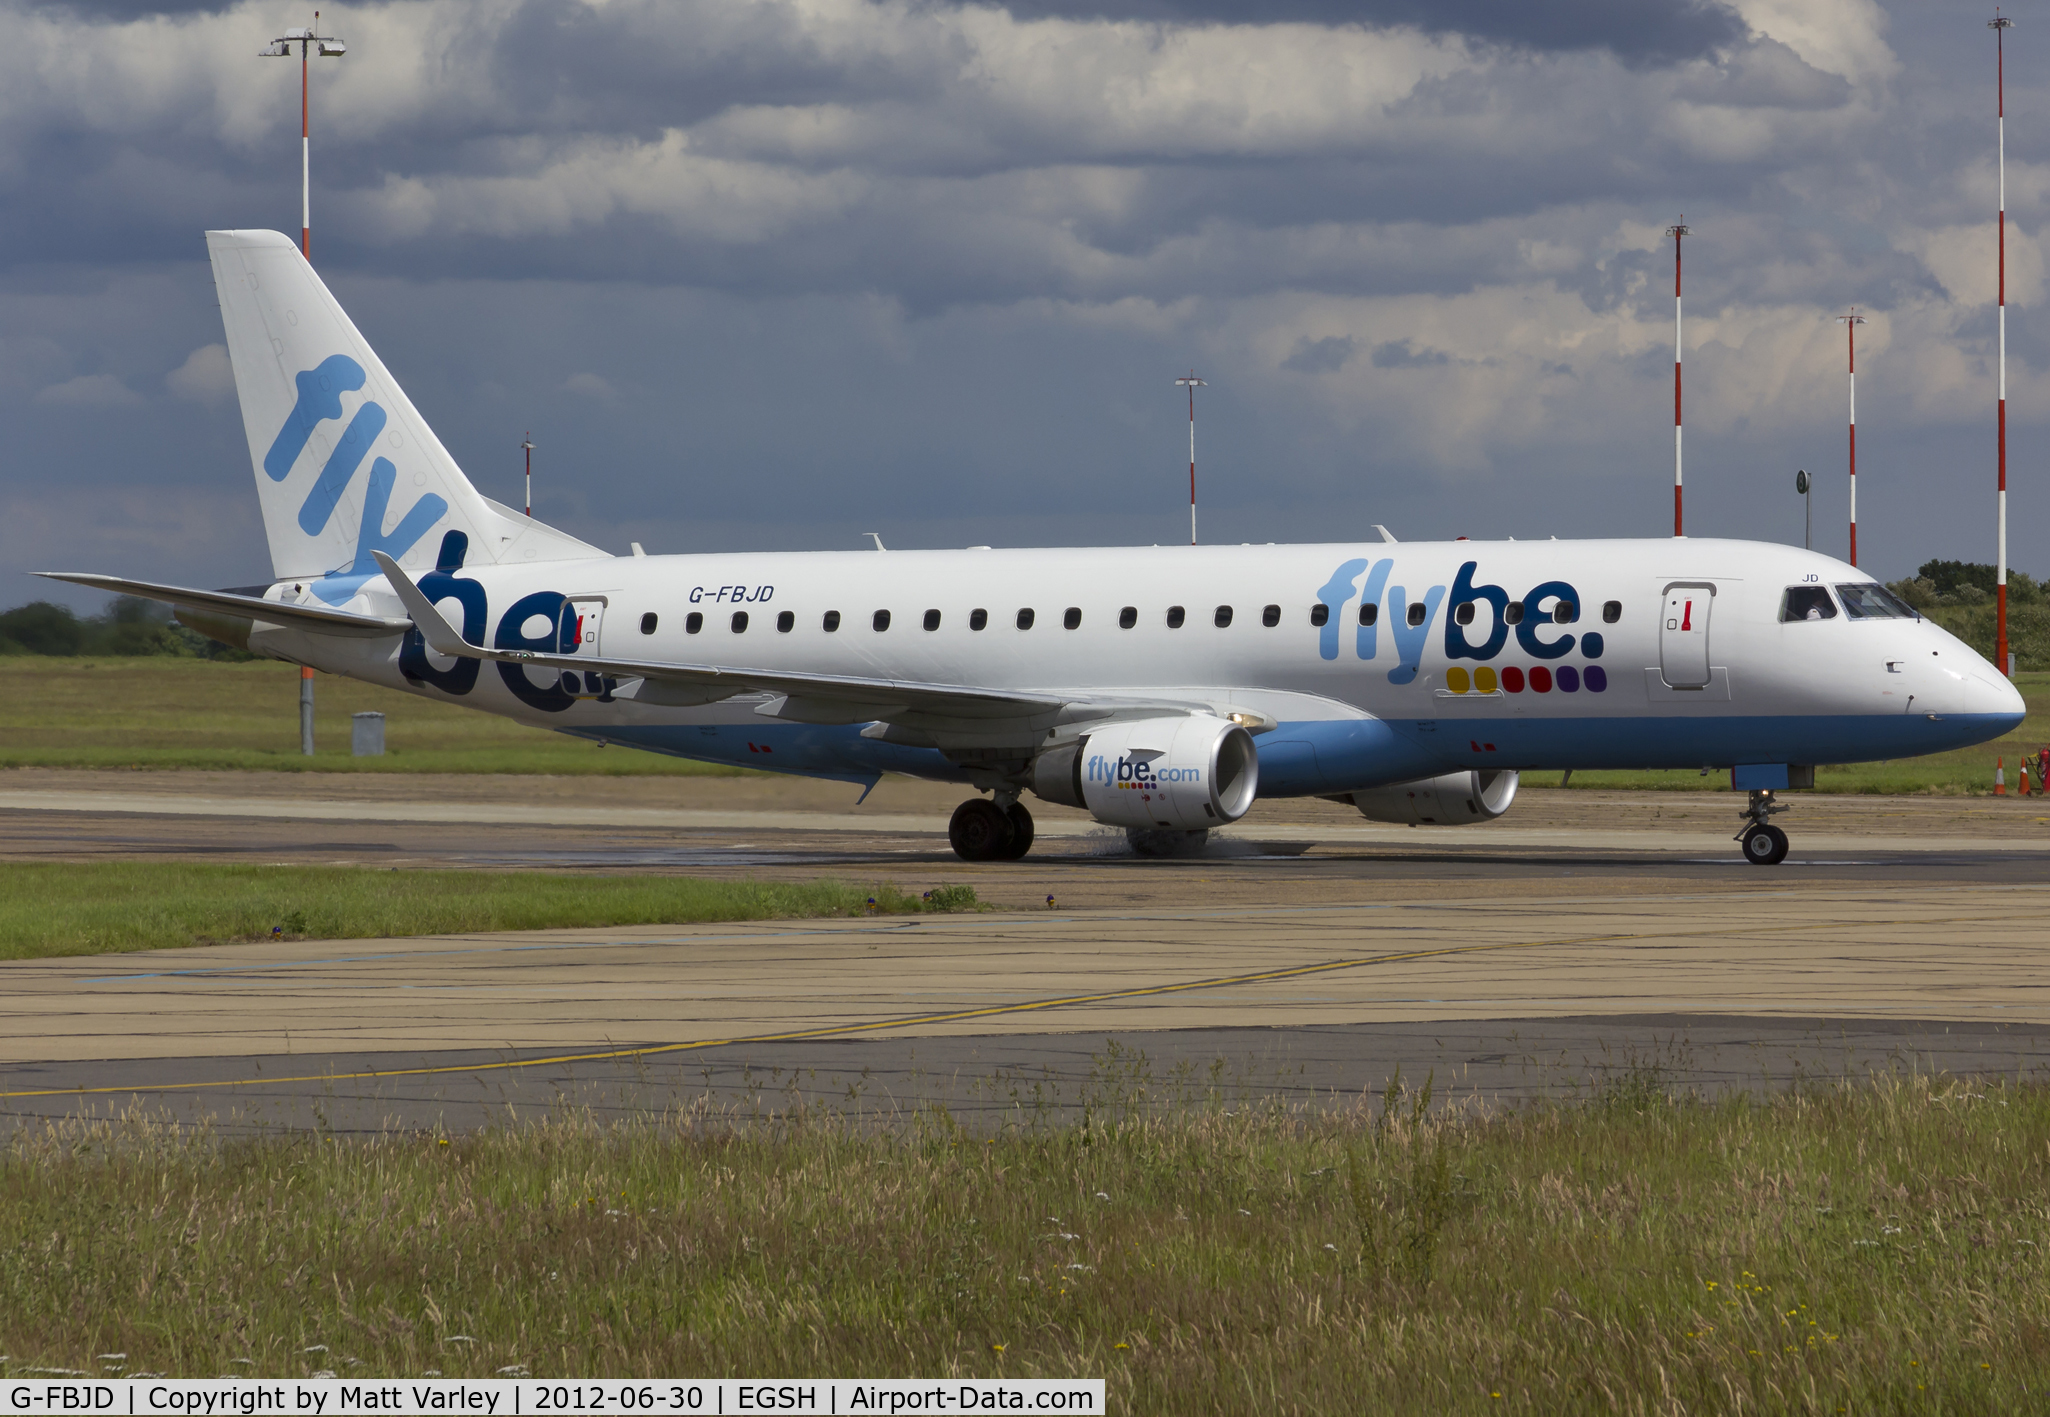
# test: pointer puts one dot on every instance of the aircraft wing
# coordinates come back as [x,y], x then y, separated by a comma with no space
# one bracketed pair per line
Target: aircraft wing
[252,607]
[812,698]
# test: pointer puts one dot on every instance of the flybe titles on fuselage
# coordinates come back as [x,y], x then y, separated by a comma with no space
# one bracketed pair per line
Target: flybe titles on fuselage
[1479,623]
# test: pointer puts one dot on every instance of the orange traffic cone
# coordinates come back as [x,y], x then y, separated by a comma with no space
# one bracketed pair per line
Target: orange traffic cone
[2022,787]
[1999,777]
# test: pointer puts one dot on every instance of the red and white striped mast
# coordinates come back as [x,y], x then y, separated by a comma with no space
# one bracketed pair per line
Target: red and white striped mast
[1999,24]
[327,47]
[1850,323]
[1679,522]
[1192,383]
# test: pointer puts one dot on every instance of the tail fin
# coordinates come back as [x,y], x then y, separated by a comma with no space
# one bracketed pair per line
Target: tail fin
[319,408]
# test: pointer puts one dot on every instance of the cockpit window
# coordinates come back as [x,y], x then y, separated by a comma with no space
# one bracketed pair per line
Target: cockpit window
[1807,602]
[1874,602]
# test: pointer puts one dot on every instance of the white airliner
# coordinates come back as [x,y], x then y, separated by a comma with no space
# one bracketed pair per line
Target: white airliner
[1162,689]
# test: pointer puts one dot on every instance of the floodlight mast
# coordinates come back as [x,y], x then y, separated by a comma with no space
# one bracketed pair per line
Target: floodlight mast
[327,47]
[1677,232]
[1191,383]
[1850,323]
[2000,24]
[528,447]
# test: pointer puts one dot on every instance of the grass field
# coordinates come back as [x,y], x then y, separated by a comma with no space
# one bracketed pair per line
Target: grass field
[101,907]
[1877,1248]
[165,712]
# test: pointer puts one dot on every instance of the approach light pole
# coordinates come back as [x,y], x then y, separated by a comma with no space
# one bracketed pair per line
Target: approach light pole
[327,47]
[1850,323]
[2000,24]
[1191,383]
[528,447]
[1677,232]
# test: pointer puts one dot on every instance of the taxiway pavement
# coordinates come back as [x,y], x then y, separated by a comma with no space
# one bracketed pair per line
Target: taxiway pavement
[1298,957]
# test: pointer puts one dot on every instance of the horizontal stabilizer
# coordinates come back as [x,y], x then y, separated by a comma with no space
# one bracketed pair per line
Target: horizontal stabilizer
[312,618]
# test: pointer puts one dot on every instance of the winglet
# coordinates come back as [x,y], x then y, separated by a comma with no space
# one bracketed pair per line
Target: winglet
[441,636]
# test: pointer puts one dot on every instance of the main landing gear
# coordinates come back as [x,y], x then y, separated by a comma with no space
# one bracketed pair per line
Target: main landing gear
[1764,844]
[983,830]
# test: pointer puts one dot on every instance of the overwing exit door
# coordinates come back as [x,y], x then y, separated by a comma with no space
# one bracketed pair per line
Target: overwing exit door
[581,622]
[1683,635]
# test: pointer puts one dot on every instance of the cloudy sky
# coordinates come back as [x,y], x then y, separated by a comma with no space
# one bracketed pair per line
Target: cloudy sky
[776,273]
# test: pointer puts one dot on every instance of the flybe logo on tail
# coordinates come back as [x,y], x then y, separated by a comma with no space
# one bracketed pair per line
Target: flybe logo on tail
[320,398]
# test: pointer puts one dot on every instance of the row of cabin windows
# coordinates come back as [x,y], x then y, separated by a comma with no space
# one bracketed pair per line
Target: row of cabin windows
[1564,612]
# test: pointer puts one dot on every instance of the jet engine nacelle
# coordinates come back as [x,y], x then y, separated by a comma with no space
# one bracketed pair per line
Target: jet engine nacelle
[1455,799]
[1183,773]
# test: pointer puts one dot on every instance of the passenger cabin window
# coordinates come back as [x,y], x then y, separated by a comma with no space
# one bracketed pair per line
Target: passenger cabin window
[786,622]
[693,622]
[1025,619]
[932,619]
[1223,616]
[1271,616]
[881,621]
[978,619]
[1370,611]
[1128,617]
[1175,616]
[1320,614]
[1464,614]
[1807,602]
[1417,612]
[740,622]
[1564,612]
[1612,611]
[1512,613]
[1874,602]
[1072,620]
[831,622]
[648,623]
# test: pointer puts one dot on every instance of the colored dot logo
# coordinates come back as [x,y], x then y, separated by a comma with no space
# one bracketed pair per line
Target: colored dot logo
[1540,679]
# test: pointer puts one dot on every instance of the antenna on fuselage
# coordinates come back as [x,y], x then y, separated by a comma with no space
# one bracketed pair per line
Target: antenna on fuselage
[878,539]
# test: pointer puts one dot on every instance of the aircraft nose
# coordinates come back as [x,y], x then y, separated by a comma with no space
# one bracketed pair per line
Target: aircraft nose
[1993,697]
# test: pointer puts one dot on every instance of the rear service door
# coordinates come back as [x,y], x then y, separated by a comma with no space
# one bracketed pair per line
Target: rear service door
[581,622]
[1683,635]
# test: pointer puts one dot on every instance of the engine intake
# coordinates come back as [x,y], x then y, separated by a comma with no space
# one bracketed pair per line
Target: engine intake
[1179,773]
[1455,799]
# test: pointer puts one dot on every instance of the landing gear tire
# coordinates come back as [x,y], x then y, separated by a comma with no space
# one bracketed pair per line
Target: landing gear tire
[1021,833]
[982,831]
[1149,841]
[1765,846]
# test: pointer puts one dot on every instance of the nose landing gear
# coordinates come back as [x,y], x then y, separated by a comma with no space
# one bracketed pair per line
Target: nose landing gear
[1764,844]
[982,830]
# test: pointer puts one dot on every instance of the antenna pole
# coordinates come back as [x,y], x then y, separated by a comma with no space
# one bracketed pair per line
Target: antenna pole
[306,155]
[1850,323]
[1192,383]
[1679,520]
[1999,25]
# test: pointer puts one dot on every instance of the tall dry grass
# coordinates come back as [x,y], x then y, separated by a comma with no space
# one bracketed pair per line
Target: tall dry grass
[1869,1248]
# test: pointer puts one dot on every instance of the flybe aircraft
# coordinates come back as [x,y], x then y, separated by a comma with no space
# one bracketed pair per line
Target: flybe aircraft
[1161,689]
